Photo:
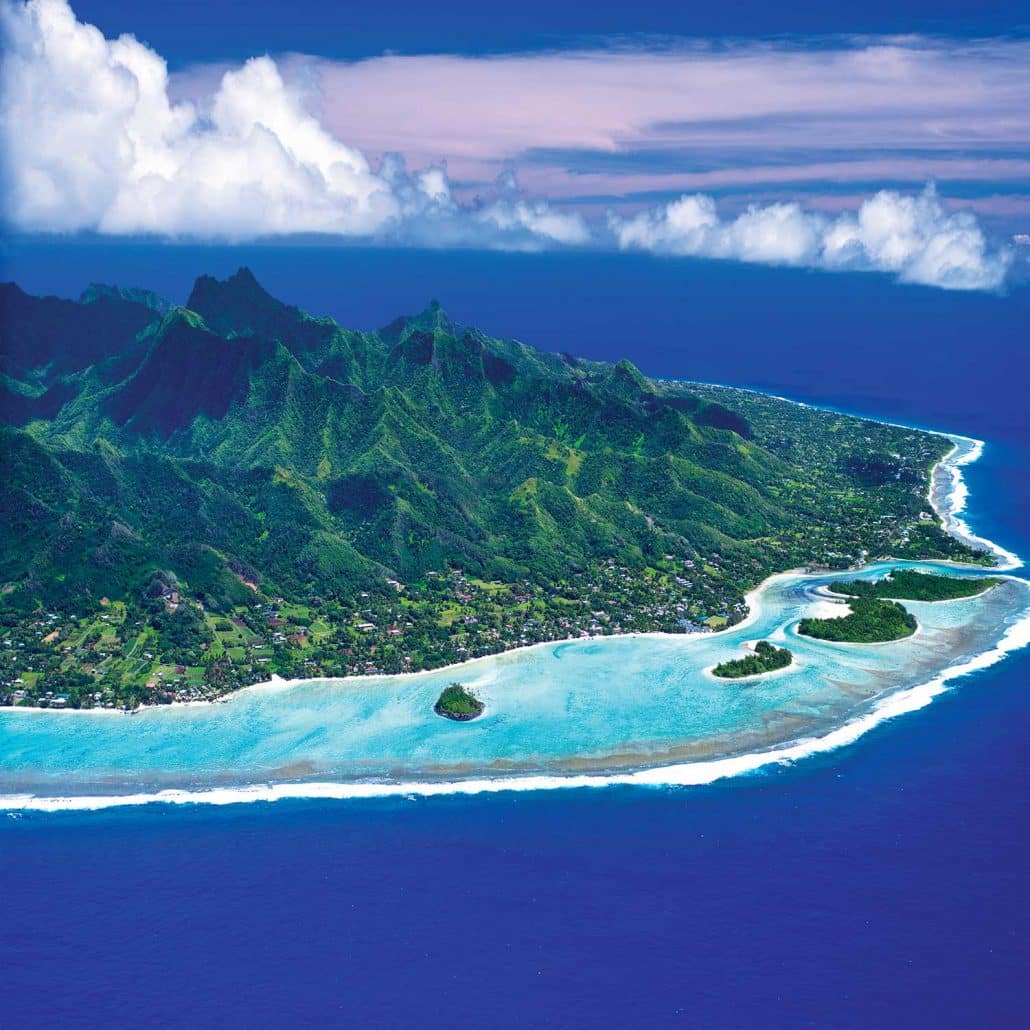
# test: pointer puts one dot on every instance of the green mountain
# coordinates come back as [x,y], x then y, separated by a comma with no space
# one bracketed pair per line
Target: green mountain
[247,457]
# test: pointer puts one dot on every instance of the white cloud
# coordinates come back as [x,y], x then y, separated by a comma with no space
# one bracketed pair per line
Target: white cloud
[535,217]
[912,237]
[92,141]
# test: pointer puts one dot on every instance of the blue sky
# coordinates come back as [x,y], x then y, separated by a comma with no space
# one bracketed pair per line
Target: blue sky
[206,30]
[878,139]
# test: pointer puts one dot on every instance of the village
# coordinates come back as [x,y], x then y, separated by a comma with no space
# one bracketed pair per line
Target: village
[119,658]
[171,643]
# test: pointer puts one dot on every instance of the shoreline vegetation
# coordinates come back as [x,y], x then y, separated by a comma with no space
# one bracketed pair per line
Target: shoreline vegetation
[910,585]
[766,658]
[872,620]
[458,703]
[664,521]
[689,772]
[672,771]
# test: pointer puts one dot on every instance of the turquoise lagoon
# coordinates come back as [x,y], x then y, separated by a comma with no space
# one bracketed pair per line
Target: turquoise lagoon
[628,709]
[580,711]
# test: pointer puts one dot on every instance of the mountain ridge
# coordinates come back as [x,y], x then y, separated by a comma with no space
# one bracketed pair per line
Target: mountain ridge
[246,450]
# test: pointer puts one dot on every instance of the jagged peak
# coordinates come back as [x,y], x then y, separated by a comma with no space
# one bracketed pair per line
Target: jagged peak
[429,320]
[437,317]
[244,281]
[242,285]
[243,274]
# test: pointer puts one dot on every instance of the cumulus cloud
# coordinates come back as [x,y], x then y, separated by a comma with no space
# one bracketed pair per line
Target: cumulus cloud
[94,137]
[92,141]
[912,237]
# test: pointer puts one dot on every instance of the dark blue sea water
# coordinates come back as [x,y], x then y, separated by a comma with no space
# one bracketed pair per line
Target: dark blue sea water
[205,31]
[884,884]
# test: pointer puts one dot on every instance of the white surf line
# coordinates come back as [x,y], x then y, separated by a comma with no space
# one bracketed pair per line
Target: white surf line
[957,497]
[958,493]
[678,775]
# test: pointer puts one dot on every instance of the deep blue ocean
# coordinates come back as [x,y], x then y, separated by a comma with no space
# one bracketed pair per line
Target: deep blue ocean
[883,884]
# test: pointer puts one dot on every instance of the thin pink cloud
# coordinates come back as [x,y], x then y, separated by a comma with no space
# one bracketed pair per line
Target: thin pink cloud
[875,95]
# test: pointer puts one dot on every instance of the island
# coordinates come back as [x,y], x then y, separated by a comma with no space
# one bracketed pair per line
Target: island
[766,658]
[205,496]
[872,620]
[910,585]
[459,704]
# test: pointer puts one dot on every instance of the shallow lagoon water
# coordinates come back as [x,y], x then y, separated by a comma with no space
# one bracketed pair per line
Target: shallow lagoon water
[576,712]
[602,704]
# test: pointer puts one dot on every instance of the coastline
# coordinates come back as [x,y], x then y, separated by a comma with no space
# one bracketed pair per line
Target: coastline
[793,630]
[913,600]
[277,683]
[683,774]
[694,772]
[957,492]
[955,495]
[952,490]
[686,774]
[753,677]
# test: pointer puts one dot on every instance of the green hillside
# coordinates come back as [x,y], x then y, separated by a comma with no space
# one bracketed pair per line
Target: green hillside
[347,501]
